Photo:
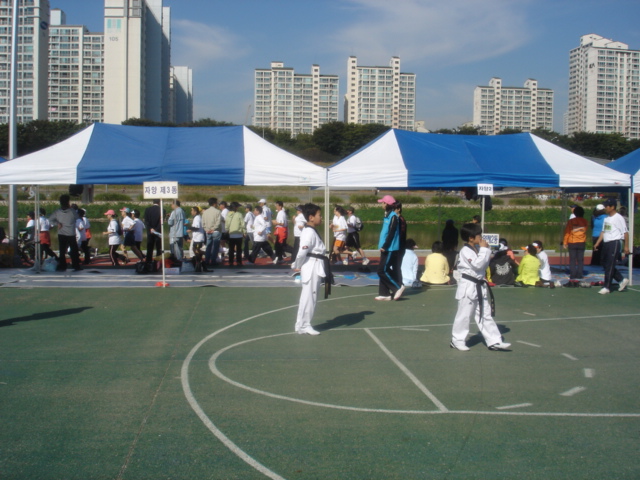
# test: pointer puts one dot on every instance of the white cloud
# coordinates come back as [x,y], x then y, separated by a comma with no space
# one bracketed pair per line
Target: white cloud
[199,46]
[450,33]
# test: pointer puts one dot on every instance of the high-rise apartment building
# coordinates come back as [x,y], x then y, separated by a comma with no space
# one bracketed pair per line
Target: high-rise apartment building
[380,95]
[496,107]
[604,88]
[137,60]
[292,102]
[32,55]
[76,72]
[181,95]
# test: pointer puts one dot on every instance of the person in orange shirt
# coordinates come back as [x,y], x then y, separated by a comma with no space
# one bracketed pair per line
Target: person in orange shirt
[575,236]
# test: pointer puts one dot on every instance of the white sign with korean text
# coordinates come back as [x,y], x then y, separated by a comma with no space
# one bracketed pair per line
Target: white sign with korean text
[493,239]
[485,189]
[154,190]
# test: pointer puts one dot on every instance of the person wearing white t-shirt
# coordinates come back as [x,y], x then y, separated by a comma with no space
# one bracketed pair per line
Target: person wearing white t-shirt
[614,233]
[260,236]
[339,227]
[353,236]
[298,225]
[545,268]
[248,224]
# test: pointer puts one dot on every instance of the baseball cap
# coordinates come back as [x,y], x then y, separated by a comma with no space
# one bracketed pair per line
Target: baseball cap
[262,200]
[109,212]
[388,199]
[610,202]
[600,207]
[125,209]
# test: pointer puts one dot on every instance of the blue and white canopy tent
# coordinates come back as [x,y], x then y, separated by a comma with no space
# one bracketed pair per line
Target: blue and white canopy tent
[128,155]
[402,159]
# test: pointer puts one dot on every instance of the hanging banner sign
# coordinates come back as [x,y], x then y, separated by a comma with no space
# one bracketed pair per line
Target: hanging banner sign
[152,190]
[485,189]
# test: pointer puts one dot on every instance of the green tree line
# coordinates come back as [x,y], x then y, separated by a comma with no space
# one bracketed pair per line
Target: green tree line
[328,143]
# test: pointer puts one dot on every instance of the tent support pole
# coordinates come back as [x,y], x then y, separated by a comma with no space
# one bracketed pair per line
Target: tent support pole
[482,212]
[632,217]
[36,229]
[439,212]
[326,214]
[164,283]
[563,223]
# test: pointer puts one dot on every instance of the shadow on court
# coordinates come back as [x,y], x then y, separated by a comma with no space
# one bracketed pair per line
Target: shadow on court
[43,316]
[347,320]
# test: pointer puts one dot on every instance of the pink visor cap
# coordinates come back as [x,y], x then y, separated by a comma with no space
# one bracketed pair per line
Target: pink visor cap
[388,199]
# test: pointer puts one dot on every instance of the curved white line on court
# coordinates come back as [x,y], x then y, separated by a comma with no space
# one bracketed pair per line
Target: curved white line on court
[214,369]
[184,377]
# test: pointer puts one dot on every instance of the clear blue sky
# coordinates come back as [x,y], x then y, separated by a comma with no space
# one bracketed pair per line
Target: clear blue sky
[452,46]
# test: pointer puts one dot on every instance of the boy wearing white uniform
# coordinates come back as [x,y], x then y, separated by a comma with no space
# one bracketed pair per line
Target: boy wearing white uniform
[472,292]
[310,262]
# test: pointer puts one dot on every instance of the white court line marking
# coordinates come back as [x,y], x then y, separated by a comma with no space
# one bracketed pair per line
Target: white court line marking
[572,391]
[216,371]
[519,405]
[589,372]
[417,329]
[406,371]
[193,403]
[527,343]
[186,388]
[532,314]
[570,357]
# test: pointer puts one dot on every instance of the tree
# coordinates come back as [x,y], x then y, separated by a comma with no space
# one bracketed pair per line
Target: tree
[38,134]
[509,131]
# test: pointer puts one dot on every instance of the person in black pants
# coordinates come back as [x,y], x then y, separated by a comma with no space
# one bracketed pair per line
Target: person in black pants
[153,222]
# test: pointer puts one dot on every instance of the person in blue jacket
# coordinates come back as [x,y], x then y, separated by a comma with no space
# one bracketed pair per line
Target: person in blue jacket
[389,287]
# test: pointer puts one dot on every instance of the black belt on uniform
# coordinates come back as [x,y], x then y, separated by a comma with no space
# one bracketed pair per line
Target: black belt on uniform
[479,282]
[328,279]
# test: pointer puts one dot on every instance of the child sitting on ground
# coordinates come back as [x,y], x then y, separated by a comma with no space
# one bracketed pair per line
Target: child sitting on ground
[528,271]
[436,266]
[410,265]
[546,278]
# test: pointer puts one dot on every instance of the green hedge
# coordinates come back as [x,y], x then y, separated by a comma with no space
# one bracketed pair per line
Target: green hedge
[112,197]
[525,201]
[445,200]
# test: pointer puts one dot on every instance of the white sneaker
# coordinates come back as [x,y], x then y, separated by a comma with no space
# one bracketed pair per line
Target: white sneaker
[365,261]
[383,299]
[462,348]
[354,255]
[275,261]
[623,284]
[308,331]
[345,261]
[604,291]
[500,346]
[399,293]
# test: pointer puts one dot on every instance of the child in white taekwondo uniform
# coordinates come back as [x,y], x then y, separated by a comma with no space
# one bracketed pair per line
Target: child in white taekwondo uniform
[472,292]
[310,262]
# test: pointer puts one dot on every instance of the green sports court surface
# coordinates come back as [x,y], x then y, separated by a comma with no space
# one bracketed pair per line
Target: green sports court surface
[212,383]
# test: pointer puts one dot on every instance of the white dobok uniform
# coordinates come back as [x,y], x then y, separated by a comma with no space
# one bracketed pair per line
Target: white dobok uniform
[311,274]
[474,264]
